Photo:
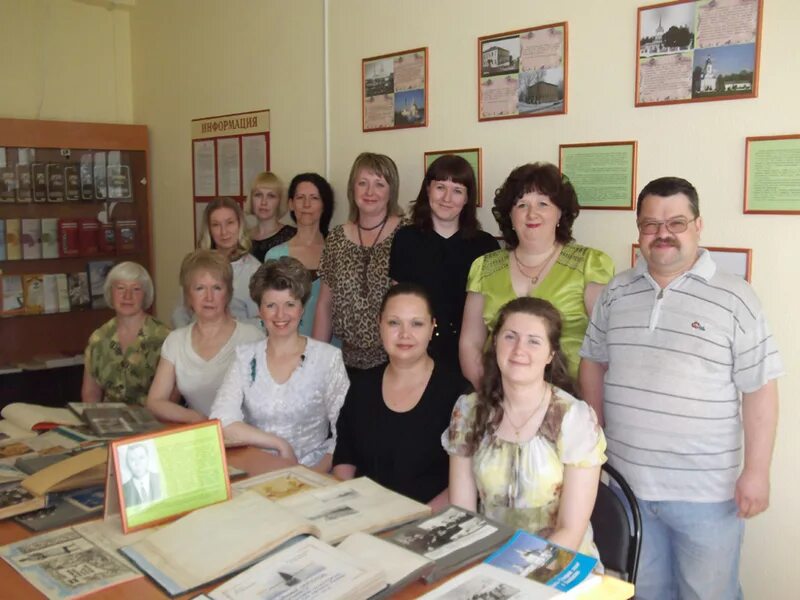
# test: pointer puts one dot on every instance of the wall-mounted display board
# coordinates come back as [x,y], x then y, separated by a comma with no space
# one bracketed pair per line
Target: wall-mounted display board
[471,155]
[227,153]
[394,90]
[697,50]
[74,200]
[736,261]
[603,173]
[523,73]
[772,175]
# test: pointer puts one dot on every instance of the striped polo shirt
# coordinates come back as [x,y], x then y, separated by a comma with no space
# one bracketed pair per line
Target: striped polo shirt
[678,359]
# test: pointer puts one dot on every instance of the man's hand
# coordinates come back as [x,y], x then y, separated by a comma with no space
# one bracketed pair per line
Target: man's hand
[752,493]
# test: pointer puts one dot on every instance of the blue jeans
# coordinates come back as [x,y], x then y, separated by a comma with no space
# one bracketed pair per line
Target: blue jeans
[690,551]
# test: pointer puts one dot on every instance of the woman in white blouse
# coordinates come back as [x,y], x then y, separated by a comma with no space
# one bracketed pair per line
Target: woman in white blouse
[195,358]
[283,393]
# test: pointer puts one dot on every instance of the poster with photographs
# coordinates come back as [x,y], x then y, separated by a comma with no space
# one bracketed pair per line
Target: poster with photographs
[736,261]
[395,90]
[697,50]
[523,73]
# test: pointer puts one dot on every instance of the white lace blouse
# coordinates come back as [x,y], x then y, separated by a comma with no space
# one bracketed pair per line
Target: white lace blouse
[303,410]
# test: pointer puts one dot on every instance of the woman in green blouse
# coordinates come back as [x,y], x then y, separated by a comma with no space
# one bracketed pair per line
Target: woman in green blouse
[535,209]
[122,354]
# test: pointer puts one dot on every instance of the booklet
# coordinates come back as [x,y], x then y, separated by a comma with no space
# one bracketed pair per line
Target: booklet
[64,564]
[65,509]
[453,537]
[487,581]
[309,569]
[283,482]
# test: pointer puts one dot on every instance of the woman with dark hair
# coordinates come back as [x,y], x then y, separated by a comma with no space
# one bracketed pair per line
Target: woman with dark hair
[535,208]
[283,393]
[394,414]
[311,208]
[522,443]
[438,248]
[354,267]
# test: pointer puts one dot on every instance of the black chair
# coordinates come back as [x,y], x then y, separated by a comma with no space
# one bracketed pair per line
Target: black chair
[617,528]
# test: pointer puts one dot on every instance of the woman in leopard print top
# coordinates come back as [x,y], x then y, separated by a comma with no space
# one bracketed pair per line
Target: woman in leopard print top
[354,268]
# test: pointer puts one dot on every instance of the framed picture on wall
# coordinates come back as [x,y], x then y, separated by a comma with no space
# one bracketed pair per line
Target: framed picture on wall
[471,155]
[603,173]
[523,73]
[697,50]
[736,261]
[772,175]
[394,90]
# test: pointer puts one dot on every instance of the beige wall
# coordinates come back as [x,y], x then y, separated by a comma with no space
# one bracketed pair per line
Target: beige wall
[64,60]
[69,59]
[701,142]
[200,58]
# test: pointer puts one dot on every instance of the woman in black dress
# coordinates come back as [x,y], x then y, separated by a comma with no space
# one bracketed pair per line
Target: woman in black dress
[390,426]
[437,249]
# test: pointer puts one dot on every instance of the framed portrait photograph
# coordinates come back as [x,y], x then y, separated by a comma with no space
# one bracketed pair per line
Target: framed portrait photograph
[394,90]
[697,50]
[471,155]
[772,175]
[603,173]
[736,261]
[157,477]
[523,73]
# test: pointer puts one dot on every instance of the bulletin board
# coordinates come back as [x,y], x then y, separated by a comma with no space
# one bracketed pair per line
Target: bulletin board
[228,151]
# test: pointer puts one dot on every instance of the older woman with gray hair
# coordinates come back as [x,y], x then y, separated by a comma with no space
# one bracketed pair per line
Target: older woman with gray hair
[122,354]
[283,393]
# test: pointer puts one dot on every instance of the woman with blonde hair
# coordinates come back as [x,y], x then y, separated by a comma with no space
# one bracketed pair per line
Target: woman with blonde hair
[267,203]
[122,354]
[354,267]
[224,230]
[195,358]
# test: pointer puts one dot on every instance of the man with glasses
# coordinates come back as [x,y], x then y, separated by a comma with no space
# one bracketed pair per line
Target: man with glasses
[674,350]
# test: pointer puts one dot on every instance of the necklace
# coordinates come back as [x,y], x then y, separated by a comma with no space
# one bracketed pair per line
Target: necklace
[366,251]
[518,428]
[381,224]
[540,267]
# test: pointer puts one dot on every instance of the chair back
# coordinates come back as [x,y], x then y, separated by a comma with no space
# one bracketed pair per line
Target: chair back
[617,526]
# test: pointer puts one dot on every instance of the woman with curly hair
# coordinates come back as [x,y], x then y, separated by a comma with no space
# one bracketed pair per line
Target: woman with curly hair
[535,209]
[523,443]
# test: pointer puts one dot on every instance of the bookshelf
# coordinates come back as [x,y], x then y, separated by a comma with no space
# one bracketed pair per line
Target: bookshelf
[124,197]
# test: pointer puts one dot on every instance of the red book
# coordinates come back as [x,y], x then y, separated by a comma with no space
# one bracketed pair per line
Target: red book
[106,239]
[87,237]
[68,238]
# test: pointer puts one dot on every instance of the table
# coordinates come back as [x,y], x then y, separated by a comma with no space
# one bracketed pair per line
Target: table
[254,461]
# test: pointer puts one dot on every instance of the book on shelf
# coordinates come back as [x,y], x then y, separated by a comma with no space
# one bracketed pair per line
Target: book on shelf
[8,184]
[50,293]
[283,482]
[13,239]
[106,239]
[72,183]
[180,557]
[2,239]
[64,564]
[34,417]
[49,238]
[86,177]
[98,271]
[127,235]
[13,295]
[33,293]
[309,569]
[39,181]
[31,238]
[62,286]
[78,291]
[55,182]
[68,238]
[452,538]
[99,172]
[24,183]
[88,230]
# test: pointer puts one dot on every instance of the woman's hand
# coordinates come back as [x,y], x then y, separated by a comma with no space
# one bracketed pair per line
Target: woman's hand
[286,451]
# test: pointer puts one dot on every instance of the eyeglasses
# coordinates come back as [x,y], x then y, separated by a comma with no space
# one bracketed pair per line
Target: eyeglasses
[673,226]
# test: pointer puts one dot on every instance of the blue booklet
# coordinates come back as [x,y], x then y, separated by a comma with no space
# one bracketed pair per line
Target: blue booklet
[535,558]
